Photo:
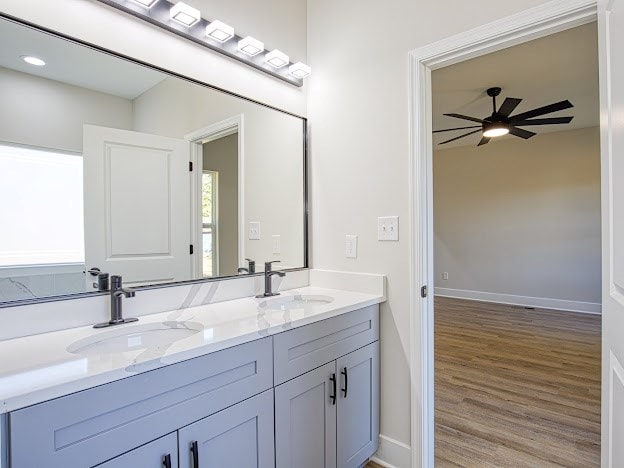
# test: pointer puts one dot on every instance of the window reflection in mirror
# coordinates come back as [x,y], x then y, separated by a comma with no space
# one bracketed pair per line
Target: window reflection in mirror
[95,155]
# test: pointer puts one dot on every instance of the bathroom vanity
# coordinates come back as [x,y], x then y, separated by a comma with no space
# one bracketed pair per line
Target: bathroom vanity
[287,382]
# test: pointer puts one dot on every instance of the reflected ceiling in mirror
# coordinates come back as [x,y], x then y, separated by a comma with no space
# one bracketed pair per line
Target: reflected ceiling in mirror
[110,166]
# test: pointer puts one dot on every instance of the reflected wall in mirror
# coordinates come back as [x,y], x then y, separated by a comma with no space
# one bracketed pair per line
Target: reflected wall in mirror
[110,166]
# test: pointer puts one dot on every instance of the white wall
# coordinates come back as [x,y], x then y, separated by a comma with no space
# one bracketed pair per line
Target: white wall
[107,27]
[358,109]
[50,114]
[273,158]
[521,217]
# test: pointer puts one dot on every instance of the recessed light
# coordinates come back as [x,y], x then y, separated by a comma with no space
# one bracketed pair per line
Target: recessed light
[300,70]
[250,46]
[146,3]
[219,31]
[184,14]
[33,60]
[276,58]
[495,130]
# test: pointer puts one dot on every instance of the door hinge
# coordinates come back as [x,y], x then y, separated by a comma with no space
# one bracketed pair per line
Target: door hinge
[191,249]
[190,166]
[423,291]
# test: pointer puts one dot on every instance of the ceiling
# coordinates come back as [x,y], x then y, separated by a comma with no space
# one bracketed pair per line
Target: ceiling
[73,64]
[541,72]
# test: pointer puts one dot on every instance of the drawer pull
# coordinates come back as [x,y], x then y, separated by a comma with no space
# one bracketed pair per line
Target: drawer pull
[346,379]
[167,461]
[195,453]
[332,379]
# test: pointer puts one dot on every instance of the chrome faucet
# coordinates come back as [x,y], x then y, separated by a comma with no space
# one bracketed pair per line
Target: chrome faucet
[117,293]
[268,275]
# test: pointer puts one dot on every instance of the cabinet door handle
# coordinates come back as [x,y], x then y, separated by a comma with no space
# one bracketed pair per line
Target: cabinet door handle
[167,461]
[195,453]
[332,379]
[346,376]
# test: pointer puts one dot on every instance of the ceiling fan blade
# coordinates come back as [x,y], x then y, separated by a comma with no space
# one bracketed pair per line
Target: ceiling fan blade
[458,128]
[461,136]
[484,141]
[465,117]
[557,106]
[508,106]
[522,133]
[551,121]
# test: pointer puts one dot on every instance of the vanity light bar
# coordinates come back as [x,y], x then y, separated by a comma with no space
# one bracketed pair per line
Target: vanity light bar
[185,21]
[184,14]
[219,31]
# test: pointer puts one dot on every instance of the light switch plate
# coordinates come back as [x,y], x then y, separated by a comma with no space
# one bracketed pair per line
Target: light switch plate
[351,246]
[388,228]
[254,231]
[277,244]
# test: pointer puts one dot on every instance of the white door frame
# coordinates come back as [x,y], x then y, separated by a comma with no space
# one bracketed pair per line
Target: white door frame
[234,124]
[544,20]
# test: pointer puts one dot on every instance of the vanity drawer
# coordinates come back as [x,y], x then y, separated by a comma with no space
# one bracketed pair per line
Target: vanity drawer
[303,349]
[95,425]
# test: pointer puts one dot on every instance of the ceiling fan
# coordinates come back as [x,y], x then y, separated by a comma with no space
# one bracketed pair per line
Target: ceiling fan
[501,122]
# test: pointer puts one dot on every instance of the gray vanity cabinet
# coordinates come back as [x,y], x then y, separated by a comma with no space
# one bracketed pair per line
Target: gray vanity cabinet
[328,416]
[305,420]
[161,453]
[238,437]
[306,397]
[358,406]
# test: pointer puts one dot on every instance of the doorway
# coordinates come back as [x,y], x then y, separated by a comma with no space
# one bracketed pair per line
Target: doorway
[517,255]
[217,194]
[539,22]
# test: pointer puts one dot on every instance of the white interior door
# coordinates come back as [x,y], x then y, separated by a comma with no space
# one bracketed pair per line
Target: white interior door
[611,28]
[137,205]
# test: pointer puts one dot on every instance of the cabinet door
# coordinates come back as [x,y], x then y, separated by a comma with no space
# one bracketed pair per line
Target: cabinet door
[240,436]
[305,420]
[358,406]
[161,453]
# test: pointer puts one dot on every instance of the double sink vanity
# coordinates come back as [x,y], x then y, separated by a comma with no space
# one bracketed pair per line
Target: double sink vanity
[286,381]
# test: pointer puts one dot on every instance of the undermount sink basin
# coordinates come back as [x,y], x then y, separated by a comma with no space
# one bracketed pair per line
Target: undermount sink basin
[135,337]
[299,301]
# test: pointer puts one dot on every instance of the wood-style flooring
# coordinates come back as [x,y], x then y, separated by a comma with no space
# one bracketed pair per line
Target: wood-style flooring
[516,387]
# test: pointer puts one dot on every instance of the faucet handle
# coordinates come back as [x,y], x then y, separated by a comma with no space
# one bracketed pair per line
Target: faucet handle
[268,267]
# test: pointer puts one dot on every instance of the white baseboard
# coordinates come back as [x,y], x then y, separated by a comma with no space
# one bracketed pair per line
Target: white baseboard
[541,302]
[392,453]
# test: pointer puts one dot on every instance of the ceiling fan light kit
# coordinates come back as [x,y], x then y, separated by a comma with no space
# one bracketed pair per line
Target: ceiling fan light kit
[501,122]
[495,130]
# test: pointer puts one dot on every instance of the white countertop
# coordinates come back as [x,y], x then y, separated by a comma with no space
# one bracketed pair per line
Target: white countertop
[38,368]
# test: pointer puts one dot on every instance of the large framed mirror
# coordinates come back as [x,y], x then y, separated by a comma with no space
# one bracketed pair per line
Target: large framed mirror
[112,166]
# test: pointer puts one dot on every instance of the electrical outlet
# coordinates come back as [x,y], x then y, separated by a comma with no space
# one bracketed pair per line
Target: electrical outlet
[351,246]
[277,245]
[254,231]
[445,275]
[388,228]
